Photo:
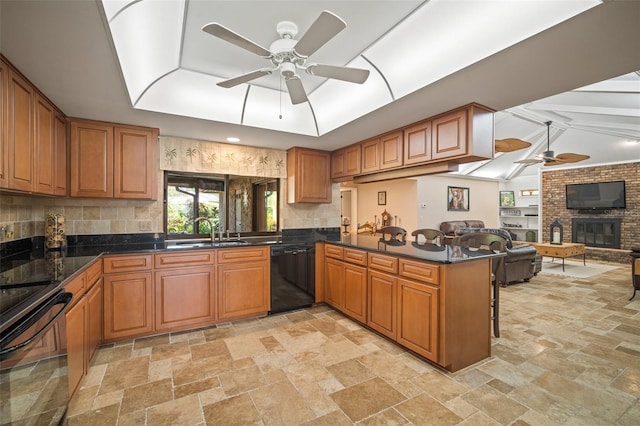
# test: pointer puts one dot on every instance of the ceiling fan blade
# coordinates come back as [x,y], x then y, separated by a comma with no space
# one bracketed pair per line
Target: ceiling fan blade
[296,90]
[244,78]
[552,163]
[325,27]
[353,75]
[510,144]
[529,161]
[570,157]
[226,34]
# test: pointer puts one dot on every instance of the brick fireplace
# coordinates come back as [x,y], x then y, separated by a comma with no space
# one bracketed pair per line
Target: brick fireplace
[552,199]
[600,232]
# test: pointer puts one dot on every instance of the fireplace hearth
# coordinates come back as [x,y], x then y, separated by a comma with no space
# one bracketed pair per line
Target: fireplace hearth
[600,232]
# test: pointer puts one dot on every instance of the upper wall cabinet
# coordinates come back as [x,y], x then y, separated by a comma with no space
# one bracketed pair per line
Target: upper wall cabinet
[4,98]
[33,138]
[20,126]
[109,161]
[345,162]
[308,176]
[382,153]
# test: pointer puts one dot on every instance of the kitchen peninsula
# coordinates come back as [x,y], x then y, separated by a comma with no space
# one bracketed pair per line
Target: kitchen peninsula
[434,300]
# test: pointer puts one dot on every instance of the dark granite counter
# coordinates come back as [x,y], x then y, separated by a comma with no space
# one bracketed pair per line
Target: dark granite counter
[431,252]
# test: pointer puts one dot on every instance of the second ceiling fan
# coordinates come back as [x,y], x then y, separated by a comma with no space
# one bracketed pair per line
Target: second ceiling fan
[548,157]
[288,54]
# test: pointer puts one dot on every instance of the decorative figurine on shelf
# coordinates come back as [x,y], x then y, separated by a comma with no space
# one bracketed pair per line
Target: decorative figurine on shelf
[386,218]
[555,232]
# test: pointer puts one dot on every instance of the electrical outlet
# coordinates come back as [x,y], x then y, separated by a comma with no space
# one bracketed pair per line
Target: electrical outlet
[316,221]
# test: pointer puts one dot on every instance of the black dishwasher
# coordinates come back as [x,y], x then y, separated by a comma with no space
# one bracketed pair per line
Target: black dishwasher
[292,276]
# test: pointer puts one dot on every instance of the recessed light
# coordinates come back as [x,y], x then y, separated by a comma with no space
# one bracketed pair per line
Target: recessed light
[233,139]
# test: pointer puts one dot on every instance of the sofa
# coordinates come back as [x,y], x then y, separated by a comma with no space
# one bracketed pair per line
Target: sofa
[521,261]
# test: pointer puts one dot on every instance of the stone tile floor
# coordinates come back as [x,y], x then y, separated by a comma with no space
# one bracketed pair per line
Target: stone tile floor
[569,354]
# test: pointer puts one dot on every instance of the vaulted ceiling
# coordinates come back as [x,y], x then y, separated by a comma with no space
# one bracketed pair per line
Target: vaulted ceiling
[579,73]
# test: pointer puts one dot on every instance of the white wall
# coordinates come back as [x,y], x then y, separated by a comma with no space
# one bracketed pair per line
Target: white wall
[401,202]
[432,193]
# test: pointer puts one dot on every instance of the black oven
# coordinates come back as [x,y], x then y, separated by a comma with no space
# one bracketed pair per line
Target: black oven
[34,387]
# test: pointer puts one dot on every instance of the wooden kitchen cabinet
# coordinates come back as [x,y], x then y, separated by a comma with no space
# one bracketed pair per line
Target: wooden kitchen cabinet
[345,162]
[346,280]
[20,133]
[94,319]
[308,176]
[243,282]
[449,134]
[4,139]
[381,300]
[382,153]
[355,291]
[418,318]
[417,143]
[109,161]
[184,297]
[76,344]
[51,149]
[128,305]
[334,292]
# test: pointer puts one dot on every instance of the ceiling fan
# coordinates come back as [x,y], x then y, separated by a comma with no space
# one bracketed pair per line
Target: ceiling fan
[288,54]
[548,157]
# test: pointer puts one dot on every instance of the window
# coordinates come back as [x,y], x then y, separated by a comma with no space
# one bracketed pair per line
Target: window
[237,204]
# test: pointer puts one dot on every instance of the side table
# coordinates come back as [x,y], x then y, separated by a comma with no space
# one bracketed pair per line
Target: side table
[635,270]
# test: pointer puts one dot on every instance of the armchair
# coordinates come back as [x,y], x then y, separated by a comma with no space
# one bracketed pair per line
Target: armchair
[520,259]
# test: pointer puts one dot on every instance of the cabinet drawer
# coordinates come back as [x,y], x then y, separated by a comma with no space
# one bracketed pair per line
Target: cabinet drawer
[184,259]
[383,263]
[127,263]
[242,254]
[358,257]
[94,273]
[333,251]
[420,271]
[77,286]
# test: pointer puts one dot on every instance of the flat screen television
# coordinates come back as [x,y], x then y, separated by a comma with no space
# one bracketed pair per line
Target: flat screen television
[596,196]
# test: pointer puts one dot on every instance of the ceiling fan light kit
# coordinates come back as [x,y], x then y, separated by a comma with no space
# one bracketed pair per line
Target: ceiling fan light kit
[288,54]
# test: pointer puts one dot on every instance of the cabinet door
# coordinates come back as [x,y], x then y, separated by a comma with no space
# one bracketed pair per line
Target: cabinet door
[128,308]
[184,297]
[391,150]
[91,160]
[60,155]
[417,143]
[135,163]
[338,164]
[76,343]
[94,319]
[334,283]
[371,155]
[308,176]
[381,314]
[352,160]
[243,289]
[450,135]
[355,292]
[45,146]
[418,318]
[4,98]
[21,146]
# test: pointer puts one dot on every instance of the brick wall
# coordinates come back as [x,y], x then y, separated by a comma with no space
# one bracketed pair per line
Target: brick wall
[554,205]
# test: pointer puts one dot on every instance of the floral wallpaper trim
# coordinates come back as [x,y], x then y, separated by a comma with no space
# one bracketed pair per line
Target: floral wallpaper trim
[191,155]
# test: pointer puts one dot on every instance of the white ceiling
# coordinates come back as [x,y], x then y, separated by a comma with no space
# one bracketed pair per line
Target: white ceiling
[65,48]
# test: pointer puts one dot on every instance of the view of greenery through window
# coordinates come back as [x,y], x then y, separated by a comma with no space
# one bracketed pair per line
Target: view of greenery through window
[253,205]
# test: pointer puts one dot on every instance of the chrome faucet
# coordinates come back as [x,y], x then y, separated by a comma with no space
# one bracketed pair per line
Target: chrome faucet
[206,219]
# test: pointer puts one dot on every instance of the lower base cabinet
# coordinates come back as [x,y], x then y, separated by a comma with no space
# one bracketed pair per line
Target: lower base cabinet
[418,318]
[334,288]
[94,319]
[355,291]
[243,289]
[381,298]
[184,297]
[128,305]
[76,343]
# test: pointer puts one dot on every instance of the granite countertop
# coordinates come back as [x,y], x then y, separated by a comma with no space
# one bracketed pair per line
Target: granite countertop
[431,252]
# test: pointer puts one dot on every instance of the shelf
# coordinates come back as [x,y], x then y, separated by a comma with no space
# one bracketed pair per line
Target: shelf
[519,229]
